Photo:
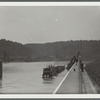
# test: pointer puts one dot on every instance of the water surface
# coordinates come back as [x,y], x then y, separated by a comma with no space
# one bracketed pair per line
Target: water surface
[27,78]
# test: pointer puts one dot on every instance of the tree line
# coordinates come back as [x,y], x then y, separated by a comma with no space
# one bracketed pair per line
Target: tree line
[62,50]
[13,51]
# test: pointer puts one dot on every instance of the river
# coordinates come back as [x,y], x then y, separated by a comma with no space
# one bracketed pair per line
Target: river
[26,78]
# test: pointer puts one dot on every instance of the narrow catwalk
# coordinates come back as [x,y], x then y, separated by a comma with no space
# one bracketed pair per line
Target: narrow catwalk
[76,82]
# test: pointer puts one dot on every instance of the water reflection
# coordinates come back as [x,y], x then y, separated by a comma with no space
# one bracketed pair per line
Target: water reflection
[48,80]
[26,78]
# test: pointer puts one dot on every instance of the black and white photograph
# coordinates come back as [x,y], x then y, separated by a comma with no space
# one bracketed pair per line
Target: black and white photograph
[50,49]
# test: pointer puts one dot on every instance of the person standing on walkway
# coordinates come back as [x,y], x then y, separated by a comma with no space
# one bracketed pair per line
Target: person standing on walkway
[82,67]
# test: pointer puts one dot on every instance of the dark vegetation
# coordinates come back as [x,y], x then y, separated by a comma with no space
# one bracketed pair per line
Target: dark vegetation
[13,51]
[63,50]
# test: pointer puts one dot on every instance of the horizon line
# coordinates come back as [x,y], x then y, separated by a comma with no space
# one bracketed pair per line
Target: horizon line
[51,41]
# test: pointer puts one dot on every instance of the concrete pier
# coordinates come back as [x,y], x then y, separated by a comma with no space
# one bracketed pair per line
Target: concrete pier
[0,69]
[75,82]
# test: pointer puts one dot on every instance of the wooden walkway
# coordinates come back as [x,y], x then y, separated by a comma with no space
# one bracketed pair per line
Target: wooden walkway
[75,82]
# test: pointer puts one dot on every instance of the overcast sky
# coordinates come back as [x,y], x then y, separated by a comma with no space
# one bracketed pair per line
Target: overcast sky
[49,24]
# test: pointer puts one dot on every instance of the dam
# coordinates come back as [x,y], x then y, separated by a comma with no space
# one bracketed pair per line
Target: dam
[76,82]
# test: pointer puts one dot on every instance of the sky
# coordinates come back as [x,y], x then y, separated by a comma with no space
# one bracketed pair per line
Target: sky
[41,24]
